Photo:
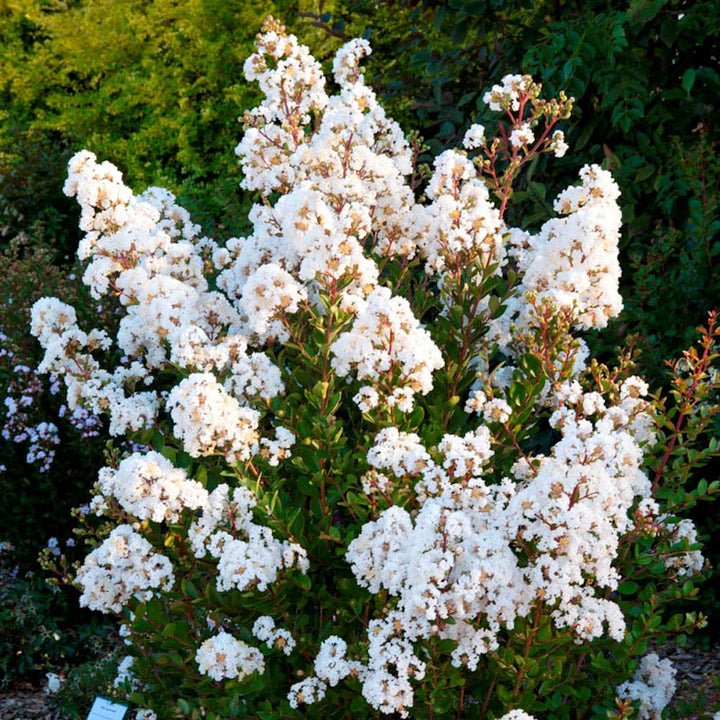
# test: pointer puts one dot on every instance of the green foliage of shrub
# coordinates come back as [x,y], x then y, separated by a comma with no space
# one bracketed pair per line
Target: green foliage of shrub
[83,682]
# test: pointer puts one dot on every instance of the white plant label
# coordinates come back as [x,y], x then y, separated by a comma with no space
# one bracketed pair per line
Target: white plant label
[104,709]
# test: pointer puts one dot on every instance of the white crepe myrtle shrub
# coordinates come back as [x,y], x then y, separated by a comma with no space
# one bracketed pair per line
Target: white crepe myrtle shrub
[376,471]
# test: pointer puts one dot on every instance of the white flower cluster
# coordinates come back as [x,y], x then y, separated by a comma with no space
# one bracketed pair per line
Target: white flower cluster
[480,555]
[653,686]
[331,666]
[148,486]
[248,555]
[685,562]
[208,419]
[223,656]
[331,663]
[507,95]
[339,165]
[460,221]
[124,232]
[294,87]
[384,689]
[570,266]
[124,674]
[68,353]
[474,137]
[146,251]
[573,261]
[522,136]
[387,347]
[123,566]
[392,664]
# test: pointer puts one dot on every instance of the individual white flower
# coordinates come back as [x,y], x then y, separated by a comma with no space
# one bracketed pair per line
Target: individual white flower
[634,387]
[475,402]
[558,144]
[522,136]
[496,411]
[366,398]
[145,715]
[474,137]
[54,683]
[517,715]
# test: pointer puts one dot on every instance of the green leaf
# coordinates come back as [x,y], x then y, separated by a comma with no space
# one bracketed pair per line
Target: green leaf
[628,587]
[303,581]
[185,706]
[688,79]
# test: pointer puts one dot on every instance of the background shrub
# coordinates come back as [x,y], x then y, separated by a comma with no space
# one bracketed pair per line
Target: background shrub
[161,100]
[42,630]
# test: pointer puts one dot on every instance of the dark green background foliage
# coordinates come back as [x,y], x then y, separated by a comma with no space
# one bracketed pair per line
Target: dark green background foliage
[156,87]
[42,630]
